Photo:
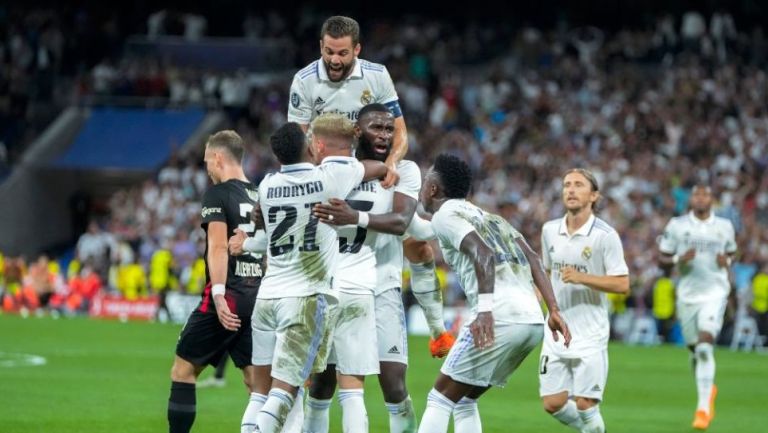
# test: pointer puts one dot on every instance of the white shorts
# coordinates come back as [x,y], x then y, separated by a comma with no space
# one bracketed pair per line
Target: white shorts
[491,366]
[354,338]
[292,335]
[391,330]
[580,377]
[701,317]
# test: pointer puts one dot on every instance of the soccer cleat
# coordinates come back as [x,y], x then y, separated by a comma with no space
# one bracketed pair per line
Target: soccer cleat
[440,346]
[712,402]
[701,420]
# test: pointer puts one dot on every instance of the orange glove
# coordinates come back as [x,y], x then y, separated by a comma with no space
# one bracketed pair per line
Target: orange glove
[439,347]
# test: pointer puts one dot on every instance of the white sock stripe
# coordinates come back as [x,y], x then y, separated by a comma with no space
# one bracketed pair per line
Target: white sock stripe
[346,394]
[590,413]
[259,398]
[467,401]
[318,404]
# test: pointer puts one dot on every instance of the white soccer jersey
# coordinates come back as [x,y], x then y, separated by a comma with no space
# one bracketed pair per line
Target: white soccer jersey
[389,248]
[701,279]
[595,249]
[356,270]
[302,254]
[313,94]
[514,299]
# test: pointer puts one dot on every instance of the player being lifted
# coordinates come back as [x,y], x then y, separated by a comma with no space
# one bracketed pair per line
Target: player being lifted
[497,270]
[222,321]
[585,260]
[375,127]
[293,315]
[343,83]
[701,246]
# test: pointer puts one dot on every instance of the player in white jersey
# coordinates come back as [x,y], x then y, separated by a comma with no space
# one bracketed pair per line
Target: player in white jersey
[376,126]
[701,246]
[291,319]
[340,82]
[497,270]
[585,260]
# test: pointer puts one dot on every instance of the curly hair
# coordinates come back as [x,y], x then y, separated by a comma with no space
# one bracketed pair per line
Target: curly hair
[288,143]
[455,175]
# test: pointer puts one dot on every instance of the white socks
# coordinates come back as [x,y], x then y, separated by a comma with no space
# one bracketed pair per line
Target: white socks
[438,413]
[272,415]
[402,417]
[255,402]
[296,416]
[354,418]
[316,415]
[593,420]
[569,415]
[705,374]
[466,417]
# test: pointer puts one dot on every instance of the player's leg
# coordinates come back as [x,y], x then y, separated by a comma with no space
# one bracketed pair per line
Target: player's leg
[441,401]
[257,374]
[466,415]
[301,340]
[203,341]
[590,374]
[321,389]
[424,283]
[709,321]
[392,340]
[355,344]
[555,386]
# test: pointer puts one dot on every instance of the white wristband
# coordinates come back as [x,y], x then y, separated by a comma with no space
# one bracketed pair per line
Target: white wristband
[484,302]
[362,219]
[217,289]
[249,245]
[675,259]
[728,261]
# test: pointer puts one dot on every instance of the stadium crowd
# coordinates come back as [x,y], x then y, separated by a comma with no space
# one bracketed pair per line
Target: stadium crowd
[650,111]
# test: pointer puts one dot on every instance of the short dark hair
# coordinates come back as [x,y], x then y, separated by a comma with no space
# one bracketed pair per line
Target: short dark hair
[230,141]
[339,26]
[288,143]
[455,175]
[373,108]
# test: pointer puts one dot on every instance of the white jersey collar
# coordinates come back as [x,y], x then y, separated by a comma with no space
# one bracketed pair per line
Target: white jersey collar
[584,230]
[301,166]
[357,71]
[696,219]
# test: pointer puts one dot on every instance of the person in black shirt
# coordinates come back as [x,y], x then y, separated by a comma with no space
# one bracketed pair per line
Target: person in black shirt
[222,321]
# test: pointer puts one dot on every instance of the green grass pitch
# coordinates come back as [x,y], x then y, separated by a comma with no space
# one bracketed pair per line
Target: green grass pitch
[105,376]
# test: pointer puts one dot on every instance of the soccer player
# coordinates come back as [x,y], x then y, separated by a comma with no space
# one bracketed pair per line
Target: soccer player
[222,321]
[497,270]
[292,318]
[585,260]
[375,131]
[340,82]
[701,246]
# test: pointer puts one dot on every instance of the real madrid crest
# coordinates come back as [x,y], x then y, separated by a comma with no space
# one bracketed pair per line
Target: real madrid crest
[366,98]
[586,253]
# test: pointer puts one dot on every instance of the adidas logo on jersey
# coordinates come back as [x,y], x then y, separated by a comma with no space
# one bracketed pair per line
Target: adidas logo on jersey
[394,350]
[596,388]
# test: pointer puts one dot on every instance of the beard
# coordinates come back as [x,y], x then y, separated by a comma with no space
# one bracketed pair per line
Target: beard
[340,73]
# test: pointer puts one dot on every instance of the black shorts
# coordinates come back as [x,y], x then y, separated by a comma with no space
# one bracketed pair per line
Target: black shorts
[204,341]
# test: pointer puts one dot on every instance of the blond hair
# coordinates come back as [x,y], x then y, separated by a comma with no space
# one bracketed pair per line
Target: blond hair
[335,127]
[230,141]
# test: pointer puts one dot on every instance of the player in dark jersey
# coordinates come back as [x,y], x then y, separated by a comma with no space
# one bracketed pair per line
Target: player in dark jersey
[222,321]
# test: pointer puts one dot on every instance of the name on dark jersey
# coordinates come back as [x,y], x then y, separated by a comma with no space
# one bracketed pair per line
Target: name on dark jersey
[247,269]
[294,190]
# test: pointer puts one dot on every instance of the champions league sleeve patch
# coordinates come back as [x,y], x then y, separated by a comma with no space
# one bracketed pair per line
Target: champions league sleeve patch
[295,100]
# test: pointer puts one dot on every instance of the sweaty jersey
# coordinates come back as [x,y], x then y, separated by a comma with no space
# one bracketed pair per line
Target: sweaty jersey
[595,248]
[389,248]
[313,94]
[232,202]
[302,254]
[701,279]
[514,298]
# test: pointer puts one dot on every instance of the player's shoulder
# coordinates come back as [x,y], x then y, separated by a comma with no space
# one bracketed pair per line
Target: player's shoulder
[723,222]
[367,66]
[407,166]
[311,70]
[678,221]
[552,225]
[602,227]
